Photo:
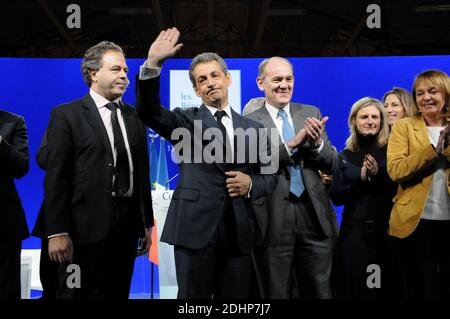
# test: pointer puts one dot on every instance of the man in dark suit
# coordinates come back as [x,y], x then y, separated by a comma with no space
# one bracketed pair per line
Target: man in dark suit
[97,192]
[209,222]
[48,269]
[14,163]
[302,226]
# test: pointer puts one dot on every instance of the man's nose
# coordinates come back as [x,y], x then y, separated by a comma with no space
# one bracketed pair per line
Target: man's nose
[123,74]
[283,84]
[211,82]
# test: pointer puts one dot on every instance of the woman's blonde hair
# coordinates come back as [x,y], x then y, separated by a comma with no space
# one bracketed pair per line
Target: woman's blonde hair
[405,99]
[352,142]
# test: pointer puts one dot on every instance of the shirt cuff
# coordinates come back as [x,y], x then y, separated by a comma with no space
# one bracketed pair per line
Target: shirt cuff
[146,73]
[249,189]
[290,153]
[58,235]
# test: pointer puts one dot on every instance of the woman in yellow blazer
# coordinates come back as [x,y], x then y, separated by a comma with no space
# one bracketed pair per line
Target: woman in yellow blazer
[418,158]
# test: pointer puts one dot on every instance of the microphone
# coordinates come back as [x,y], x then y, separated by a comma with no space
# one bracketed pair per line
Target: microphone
[171,179]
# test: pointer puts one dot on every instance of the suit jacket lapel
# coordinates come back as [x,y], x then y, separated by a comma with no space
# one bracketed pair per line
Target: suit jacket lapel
[420,130]
[2,118]
[207,118]
[297,118]
[130,125]
[208,121]
[95,121]
[238,120]
[264,117]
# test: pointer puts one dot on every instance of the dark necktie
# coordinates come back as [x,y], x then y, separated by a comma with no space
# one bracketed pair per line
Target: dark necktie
[219,115]
[122,168]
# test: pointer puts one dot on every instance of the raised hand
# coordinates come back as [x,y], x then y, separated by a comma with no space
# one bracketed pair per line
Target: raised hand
[164,47]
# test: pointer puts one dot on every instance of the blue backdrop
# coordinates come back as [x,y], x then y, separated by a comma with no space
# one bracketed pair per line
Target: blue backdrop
[32,87]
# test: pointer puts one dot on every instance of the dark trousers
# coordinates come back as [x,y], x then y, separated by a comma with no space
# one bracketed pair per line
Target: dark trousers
[426,260]
[106,266]
[48,271]
[10,270]
[300,258]
[216,271]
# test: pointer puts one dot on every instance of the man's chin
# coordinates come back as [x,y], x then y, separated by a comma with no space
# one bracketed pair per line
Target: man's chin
[281,104]
[215,102]
[118,93]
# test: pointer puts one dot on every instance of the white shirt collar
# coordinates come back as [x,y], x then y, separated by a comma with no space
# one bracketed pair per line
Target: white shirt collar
[101,101]
[273,111]
[213,110]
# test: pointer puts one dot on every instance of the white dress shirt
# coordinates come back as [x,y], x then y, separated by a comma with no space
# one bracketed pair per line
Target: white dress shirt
[105,114]
[227,121]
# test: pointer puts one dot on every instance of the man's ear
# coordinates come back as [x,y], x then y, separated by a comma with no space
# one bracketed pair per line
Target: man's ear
[229,79]
[93,75]
[196,91]
[259,83]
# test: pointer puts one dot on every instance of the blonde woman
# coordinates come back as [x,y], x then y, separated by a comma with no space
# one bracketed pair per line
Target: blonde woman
[399,104]
[418,159]
[362,185]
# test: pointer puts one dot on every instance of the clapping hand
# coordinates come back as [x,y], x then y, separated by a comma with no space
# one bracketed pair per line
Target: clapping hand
[444,140]
[314,129]
[369,168]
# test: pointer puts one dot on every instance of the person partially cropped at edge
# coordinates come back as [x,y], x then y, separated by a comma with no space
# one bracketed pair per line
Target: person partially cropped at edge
[14,164]
[418,159]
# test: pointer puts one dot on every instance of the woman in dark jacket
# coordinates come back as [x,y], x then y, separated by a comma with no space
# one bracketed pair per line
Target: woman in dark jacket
[364,187]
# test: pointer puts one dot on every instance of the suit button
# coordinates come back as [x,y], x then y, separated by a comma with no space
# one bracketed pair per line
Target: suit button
[109,164]
[223,198]
[108,190]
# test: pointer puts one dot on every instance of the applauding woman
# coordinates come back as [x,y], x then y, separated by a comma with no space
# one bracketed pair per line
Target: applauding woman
[363,186]
[418,159]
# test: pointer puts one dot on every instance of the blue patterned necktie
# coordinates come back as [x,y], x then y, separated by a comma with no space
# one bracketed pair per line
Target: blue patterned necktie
[297,186]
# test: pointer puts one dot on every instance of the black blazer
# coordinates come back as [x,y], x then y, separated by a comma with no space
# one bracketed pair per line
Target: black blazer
[78,180]
[198,201]
[41,160]
[14,163]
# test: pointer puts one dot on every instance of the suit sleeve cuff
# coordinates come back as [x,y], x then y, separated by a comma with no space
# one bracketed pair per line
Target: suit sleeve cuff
[146,73]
